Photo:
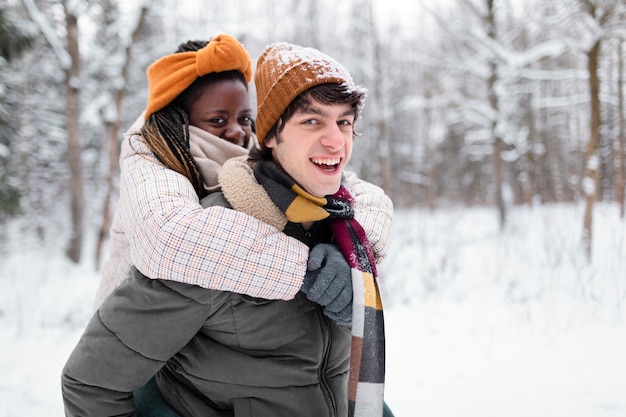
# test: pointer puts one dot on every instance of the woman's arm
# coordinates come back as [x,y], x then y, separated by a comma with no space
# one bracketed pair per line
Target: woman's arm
[161,228]
[374,211]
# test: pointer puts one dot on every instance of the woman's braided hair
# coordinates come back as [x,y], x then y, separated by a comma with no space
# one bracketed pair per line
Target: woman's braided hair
[167,133]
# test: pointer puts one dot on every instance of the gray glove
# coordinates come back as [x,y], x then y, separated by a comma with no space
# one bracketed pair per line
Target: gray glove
[328,282]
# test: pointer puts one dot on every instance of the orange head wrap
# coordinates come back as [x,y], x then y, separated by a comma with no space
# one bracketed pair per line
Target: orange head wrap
[172,74]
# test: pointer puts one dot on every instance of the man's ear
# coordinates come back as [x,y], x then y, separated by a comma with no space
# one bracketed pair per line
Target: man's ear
[270,141]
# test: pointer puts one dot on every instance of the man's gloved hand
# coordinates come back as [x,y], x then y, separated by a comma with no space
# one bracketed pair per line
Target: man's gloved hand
[328,282]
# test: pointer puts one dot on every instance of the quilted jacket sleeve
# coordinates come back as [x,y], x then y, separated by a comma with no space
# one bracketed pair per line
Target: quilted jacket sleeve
[135,331]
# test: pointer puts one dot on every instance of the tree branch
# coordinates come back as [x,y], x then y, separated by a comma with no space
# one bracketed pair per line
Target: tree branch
[44,26]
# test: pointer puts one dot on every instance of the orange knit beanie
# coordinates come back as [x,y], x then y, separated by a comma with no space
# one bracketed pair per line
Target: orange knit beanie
[172,74]
[283,72]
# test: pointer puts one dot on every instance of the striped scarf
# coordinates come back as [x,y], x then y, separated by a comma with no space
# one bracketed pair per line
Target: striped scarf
[367,356]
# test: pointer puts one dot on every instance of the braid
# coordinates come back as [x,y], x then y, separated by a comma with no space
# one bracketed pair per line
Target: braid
[167,133]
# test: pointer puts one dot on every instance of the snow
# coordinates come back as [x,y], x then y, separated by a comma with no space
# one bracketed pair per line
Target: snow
[479,322]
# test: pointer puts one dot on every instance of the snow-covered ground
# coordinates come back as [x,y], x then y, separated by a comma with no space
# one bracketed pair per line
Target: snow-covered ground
[480,323]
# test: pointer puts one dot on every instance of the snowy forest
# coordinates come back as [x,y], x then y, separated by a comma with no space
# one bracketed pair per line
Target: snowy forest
[496,127]
[471,102]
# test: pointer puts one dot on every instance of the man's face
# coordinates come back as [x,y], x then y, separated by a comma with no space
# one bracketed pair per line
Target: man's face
[315,146]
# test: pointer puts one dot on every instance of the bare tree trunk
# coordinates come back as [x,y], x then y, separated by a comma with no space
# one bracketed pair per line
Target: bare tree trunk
[384,153]
[620,153]
[74,148]
[541,161]
[591,155]
[493,102]
[112,131]
[555,163]
[528,186]
[431,164]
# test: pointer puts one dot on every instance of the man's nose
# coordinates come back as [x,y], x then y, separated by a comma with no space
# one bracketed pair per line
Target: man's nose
[333,137]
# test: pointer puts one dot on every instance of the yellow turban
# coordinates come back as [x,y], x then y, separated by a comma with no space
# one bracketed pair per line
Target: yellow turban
[172,74]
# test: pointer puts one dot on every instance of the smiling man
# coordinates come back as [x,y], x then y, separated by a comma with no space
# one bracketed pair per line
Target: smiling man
[219,353]
[308,105]
[315,144]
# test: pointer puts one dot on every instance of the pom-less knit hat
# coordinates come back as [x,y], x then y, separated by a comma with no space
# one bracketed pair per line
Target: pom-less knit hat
[283,72]
[172,74]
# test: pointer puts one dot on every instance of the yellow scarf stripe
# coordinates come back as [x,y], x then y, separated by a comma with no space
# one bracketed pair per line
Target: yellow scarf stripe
[301,211]
[372,296]
[305,207]
[320,201]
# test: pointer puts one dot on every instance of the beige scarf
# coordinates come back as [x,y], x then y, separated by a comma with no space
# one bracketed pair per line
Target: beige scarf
[210,153]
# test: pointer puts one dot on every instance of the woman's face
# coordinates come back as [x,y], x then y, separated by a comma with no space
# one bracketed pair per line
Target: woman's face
[224,110]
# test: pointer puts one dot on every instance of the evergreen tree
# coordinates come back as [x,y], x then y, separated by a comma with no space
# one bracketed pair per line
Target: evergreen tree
[13,42]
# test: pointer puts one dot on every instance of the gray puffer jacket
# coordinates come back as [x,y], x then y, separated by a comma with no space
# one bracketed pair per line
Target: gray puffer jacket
[214,353]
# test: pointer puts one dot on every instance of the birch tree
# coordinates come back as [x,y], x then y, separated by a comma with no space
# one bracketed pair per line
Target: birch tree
[68,56]
[620,155]
[112,113]
[604,19]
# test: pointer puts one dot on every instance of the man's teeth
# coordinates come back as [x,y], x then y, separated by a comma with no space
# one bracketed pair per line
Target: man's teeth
[328,162]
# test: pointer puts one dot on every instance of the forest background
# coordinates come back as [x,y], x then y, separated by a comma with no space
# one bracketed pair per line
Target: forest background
[472,102]
[496,126]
